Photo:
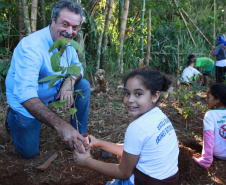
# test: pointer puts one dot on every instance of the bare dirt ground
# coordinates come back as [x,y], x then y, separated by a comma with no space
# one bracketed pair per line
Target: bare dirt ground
[107,120]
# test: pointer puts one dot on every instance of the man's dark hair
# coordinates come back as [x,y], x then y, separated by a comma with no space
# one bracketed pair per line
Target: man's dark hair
[68,4]
[189,62]
[191,57]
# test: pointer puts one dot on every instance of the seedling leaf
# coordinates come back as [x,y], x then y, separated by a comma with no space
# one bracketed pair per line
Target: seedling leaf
[74,69]
[51,77]
[72,112]
[55,62]
[57,43]
[60,103]
[76,45]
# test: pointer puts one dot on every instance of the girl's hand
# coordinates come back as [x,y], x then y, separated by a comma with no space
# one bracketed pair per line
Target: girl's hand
[82,158]
[93,142]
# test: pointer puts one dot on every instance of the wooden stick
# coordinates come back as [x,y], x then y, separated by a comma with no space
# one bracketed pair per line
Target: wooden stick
[178,62]
[148,46]
[160,53]
[181,15]
[197,27]
[47,162]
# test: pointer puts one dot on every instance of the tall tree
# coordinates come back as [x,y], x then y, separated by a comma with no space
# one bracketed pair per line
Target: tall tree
[101,36]
[80,40]
[106,35]
[120,13]
[148,46]
[26,17]
[142,34]
[21,26]
[122,34]
[43,14]
[34,7]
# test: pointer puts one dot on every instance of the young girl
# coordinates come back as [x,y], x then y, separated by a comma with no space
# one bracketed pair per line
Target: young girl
[214,130]
[150,151]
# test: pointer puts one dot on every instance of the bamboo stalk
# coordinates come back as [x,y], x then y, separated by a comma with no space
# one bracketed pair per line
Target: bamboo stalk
[8,45]
[21,21]
[178,62]
[197,27]
[181,15]
[26,17]
[214,23]
[120,14]
[134,22]
[107,24]
[142,34]
[101,37]
[121,35]
[148,40]
[34,15]
[43,15]
[160,53]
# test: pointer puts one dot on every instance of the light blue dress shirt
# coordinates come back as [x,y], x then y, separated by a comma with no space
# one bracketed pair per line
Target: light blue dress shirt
[31,63]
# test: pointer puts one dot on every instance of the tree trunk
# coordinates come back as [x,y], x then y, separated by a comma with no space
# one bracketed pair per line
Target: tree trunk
[148,40]
[121,35]
[43,14]
[34,7]
[107,23]
[214,23]
[80,40]
[178,62]
[142,34]
[26,17]
[101,37]
[22,30]
[121,6]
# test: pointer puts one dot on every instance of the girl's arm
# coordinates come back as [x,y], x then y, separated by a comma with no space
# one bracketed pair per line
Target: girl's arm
[120,171]
[113,148]
[207,151]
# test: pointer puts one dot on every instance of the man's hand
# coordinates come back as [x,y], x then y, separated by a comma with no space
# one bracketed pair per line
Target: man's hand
[70,136]
[66,92]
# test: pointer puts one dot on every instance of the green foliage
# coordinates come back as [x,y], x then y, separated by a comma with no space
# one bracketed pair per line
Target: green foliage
[5,58]
[55,63]
[187,95]
[60,103]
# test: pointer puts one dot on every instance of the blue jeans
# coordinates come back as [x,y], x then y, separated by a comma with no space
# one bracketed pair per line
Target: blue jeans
[119,182]
[82,106]
[25,131]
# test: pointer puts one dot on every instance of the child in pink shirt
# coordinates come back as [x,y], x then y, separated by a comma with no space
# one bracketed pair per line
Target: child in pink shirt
[214,130]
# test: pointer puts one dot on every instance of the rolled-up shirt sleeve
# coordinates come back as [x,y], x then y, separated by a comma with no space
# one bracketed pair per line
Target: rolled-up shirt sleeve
[27,70]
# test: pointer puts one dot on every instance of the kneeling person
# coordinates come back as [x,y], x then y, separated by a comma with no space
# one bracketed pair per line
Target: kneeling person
[190,72]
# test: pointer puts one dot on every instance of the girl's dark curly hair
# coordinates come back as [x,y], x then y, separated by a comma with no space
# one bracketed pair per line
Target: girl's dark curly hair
[218,91]
[152,79]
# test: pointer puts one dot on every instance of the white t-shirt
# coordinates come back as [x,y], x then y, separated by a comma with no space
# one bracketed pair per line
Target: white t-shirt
[221,63]
[188,73]
[152,136]
[216,120]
